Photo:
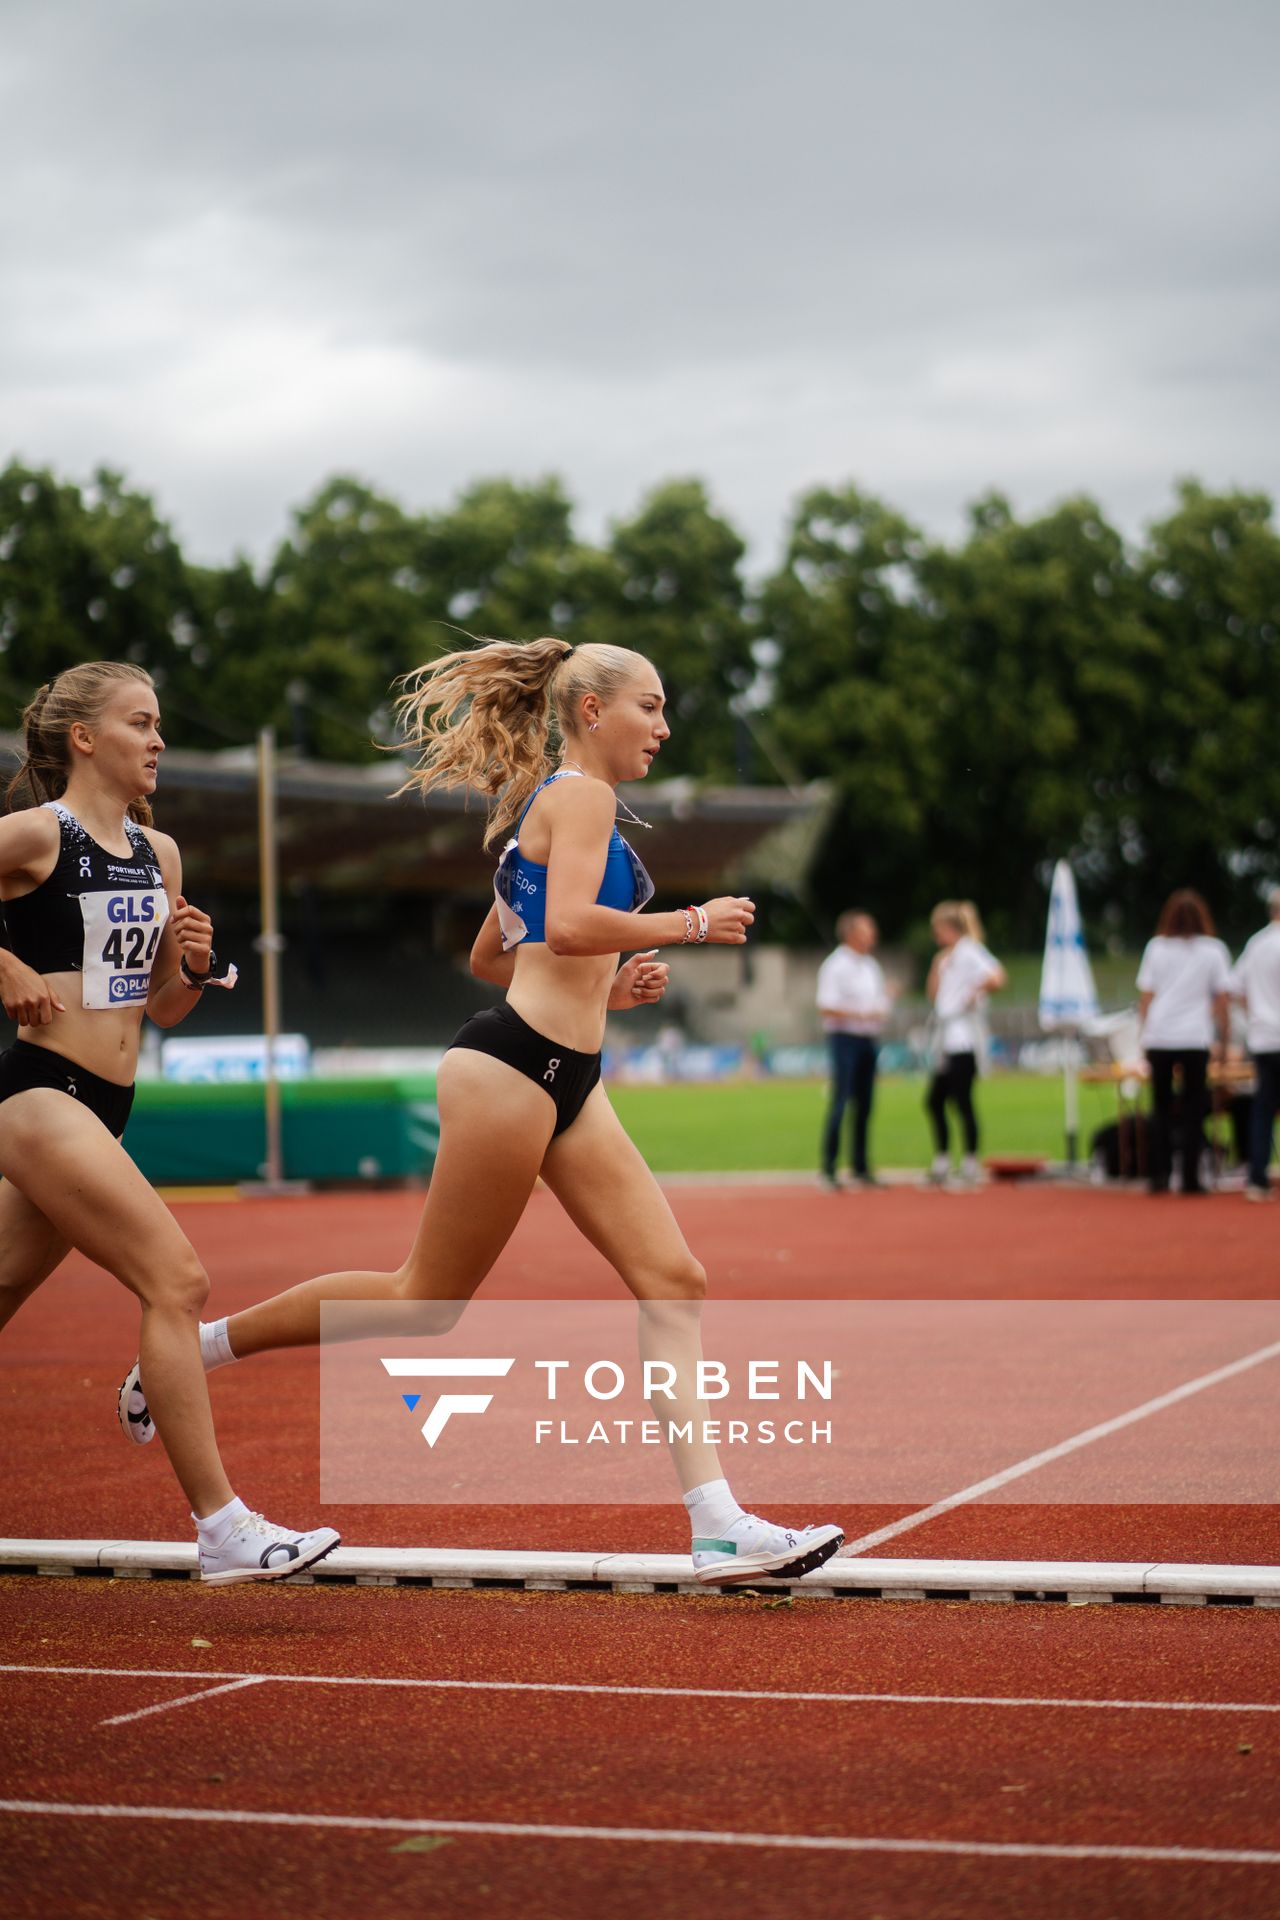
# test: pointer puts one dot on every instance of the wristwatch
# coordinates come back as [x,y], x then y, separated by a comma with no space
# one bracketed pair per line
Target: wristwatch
[197,982]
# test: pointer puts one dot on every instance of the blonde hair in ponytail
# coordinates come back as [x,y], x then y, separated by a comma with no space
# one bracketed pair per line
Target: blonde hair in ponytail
[488,716]
[79,694]
[963,915]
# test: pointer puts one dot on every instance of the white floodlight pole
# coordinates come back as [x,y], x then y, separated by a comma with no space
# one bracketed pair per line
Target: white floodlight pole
[1071,1093]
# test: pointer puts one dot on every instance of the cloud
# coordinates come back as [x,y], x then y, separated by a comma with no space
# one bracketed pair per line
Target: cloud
[936,247]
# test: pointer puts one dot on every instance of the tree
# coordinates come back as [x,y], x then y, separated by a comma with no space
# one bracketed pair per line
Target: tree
[1204,807]
[348,609]
[680,600]
[1048,685]
[857,687]
[90,575]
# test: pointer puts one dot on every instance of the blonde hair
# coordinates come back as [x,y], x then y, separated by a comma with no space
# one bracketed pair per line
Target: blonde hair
[80,694]
[972,921]
[487,716]
[960,914]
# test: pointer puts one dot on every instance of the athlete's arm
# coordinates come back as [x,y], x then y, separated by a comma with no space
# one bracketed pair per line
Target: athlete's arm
[187,933]
[581,822]
[488,961]
[638,982]
[28,847]
[25,995]
[28,850]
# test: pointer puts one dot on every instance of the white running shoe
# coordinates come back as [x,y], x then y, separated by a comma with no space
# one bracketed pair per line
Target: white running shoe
[255,1550]
[754,1548]
[132,1410]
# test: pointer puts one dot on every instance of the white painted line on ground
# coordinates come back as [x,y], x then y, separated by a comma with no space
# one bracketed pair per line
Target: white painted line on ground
[1064,1447]
[661,1836]
[635,1692]
[186,1699]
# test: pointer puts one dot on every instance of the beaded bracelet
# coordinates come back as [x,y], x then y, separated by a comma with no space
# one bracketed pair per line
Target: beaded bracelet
[688,913]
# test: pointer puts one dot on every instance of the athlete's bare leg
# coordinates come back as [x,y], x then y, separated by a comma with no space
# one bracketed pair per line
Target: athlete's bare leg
[30,1248]
[601,1180]
[70,1169]
[494,1129]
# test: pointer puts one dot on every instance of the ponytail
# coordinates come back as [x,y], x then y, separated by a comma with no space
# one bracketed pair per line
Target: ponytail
[41,776]
[516,699]
[500,744]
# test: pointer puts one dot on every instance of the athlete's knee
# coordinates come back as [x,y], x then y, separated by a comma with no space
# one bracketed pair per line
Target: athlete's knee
[182,1286]
[684,1279]
[437,1316]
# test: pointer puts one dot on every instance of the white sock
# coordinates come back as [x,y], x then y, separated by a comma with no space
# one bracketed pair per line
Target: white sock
[712,1510]
[215,1527]
[969,1166]
[215,1348]
[941,1165]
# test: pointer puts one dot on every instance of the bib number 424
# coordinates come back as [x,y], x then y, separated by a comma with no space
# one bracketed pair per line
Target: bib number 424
[130,946]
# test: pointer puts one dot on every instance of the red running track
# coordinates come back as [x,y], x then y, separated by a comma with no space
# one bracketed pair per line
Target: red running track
[946,1771]
[923,1773]
[64,1354]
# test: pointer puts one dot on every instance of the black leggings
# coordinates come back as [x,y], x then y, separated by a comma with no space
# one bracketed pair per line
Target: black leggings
[954,1082]
[1194,1062]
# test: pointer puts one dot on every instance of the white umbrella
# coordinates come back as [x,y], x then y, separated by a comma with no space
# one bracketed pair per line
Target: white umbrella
[1068,998]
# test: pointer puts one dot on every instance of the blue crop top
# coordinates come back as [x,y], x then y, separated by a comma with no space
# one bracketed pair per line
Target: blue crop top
[520,884]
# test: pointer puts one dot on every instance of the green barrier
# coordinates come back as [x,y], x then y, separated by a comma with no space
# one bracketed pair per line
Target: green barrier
[367,1129]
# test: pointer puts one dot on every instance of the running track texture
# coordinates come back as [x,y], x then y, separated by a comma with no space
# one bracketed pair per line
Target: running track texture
[65,1352]
[383,1750]
[295,1749]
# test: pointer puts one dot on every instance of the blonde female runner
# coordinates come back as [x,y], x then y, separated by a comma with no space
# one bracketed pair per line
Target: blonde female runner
[99,934]
[519,1090]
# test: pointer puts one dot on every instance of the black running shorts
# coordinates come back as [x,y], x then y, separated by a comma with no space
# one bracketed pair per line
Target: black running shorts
[567,1076]
[23,1066]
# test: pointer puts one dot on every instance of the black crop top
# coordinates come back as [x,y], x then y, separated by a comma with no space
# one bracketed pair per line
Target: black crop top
[96,915]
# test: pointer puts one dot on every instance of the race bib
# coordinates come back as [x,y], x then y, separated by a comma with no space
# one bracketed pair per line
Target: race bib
[121,933]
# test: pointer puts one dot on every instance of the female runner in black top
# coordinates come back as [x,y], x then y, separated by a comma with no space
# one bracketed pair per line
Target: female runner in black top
[99,934]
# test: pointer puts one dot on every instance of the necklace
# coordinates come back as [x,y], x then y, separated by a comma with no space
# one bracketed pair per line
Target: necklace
[633,819]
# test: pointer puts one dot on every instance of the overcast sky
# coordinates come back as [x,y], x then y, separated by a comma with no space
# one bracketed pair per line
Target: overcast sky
[932,246]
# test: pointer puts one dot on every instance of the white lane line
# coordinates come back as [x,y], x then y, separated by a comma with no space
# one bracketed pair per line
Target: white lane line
[662,1836]
[1064,1447]
[184,1700]
[645,1693]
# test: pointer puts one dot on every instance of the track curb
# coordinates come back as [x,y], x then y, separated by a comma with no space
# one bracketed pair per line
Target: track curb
[1075,1582]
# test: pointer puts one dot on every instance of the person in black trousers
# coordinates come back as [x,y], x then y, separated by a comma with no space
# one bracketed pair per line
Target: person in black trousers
[1256,983]
[854,1003]
[1182,983]
[963,973]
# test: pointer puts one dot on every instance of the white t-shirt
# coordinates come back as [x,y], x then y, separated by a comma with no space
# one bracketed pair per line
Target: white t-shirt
[1183,976]
[851,991]
[964,968]
[1257,980]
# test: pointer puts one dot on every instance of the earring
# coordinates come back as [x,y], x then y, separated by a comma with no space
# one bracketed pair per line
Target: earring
[593,726]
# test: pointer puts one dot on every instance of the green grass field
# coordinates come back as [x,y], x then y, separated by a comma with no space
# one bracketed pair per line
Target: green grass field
[765,1124]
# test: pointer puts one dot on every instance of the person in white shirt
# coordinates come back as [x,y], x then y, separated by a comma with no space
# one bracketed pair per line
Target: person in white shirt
[1256,983]
[963,973]
[1182,999]
[854,1003]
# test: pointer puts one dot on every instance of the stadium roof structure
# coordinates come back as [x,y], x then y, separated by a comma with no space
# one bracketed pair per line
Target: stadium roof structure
[342,830]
